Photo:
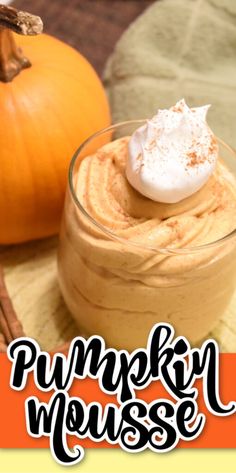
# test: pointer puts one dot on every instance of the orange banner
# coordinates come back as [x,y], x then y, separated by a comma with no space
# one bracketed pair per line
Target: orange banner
[218,432]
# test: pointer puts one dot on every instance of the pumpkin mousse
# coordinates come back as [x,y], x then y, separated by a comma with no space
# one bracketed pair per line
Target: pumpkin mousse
[146,241]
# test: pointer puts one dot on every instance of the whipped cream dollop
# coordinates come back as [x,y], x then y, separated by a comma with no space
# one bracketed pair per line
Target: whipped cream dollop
[173,155]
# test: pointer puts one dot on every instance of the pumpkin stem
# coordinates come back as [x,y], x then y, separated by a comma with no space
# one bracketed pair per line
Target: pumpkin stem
[12,59]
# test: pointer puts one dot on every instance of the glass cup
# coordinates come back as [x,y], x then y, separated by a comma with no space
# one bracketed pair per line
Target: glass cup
[118,288]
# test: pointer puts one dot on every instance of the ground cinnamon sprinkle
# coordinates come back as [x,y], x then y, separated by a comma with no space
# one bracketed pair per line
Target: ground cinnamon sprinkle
[195,159]
[172,224]
[177,109]
[101,155]
[151,145]
[213,145]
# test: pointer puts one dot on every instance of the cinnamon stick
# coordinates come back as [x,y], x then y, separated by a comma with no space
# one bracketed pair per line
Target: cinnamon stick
[10,326]
[3,345]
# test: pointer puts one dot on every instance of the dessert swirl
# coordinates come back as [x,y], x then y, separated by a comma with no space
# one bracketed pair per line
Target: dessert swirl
[107,196]
[119,286]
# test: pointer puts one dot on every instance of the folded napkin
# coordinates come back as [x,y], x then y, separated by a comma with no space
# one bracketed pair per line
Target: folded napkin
[175,49]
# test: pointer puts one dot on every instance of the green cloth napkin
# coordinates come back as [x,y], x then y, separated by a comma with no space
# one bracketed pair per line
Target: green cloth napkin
[175,49]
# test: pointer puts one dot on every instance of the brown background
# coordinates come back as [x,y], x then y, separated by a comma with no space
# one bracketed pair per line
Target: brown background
[92,26]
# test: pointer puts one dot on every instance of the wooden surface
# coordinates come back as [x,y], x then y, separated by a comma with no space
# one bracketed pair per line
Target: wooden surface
[93,27]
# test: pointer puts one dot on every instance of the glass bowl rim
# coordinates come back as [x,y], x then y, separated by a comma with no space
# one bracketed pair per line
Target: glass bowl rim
[114,236]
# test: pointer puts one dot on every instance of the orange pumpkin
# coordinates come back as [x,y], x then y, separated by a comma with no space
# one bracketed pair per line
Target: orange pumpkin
[46,111]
